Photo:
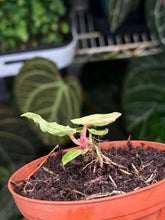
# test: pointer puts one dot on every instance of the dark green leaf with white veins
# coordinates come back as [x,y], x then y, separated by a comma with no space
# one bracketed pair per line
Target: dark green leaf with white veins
[143,99]
[155,14]
[49,127]
[40,88]
[97,119]
[118,10]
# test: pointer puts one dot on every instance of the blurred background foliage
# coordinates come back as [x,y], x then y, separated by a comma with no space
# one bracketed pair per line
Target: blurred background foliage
[143,98]
[40,88]
[32,23]
[133,86]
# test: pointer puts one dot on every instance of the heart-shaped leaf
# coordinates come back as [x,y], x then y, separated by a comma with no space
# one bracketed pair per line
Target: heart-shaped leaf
[97,119]
[143,100]
[155,14]
[40,88]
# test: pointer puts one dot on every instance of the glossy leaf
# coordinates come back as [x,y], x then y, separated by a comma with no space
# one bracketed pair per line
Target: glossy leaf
[98,132]
[49,127]
[97,119]
[70,155]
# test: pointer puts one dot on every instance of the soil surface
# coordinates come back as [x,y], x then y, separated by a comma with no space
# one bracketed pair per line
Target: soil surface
[130,169]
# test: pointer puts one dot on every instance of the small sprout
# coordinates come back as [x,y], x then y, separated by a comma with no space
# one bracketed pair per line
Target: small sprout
[98,132]
[72,154]
[86,143]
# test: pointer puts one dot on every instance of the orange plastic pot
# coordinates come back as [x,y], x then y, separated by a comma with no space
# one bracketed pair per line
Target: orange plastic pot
[144,204]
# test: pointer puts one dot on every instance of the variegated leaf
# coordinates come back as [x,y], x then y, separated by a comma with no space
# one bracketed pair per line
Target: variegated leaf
[49,127]
[97,119]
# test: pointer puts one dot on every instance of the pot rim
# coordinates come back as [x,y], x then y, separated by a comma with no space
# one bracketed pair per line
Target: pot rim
[97,200]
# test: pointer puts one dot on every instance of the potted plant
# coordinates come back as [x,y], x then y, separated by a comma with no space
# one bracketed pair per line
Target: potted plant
[34,28]
[95,163]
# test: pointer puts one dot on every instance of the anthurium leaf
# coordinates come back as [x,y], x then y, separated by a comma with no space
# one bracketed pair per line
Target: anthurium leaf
[118,10]
[155,14]
[98,132]
[143,99]
[8,208]
[49,127]
[97,119]
[17,140]
[70,155]
[40,88]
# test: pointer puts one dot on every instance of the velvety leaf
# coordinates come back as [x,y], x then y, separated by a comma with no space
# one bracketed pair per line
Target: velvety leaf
[70,155]
[97,119]
[118,10]
[155,14]
[17,141]
[49,127]
[8,209]
[40,88]
[143,99]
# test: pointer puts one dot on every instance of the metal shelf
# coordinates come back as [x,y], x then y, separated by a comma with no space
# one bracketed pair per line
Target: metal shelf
[93,45]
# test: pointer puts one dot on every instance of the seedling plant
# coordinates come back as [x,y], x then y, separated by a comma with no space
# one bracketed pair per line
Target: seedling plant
[86,142]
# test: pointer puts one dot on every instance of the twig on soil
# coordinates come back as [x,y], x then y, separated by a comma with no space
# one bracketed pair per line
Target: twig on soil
[144,166]
[113,182]
[138,175]
[89,164]
[99,179]
[136,170]
[24,189]
[78,192]
[100,195]
[124,171]
[49,171]
[45,159]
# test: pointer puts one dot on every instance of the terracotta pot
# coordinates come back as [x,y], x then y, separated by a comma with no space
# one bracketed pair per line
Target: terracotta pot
[144,204]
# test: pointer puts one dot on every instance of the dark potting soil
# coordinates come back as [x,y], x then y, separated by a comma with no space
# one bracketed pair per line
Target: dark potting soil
[130,169]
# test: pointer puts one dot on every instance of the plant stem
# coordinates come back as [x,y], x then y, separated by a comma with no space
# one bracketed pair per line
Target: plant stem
[78,143]
[83,137]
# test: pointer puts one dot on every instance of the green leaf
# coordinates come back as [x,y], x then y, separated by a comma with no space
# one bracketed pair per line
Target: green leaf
[65,27]
[97,119]
[117,11]
[98,132]
[17,141]
[40,88]
[143,100]
[8,209]
[70,155]
[79,130]
[49,127]
[155,14]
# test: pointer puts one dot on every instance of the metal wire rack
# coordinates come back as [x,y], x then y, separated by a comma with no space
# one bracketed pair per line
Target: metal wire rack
[93,45]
